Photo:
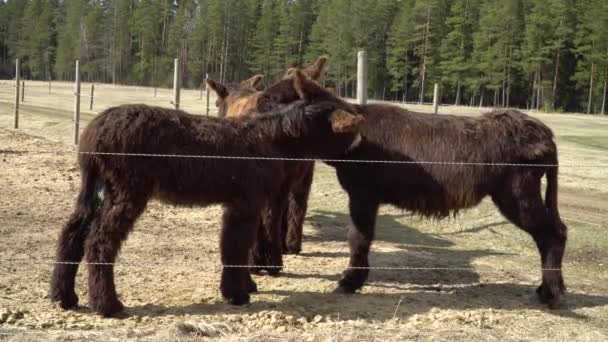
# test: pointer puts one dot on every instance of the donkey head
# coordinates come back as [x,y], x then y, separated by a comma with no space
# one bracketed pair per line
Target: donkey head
[328,125]
[235,99]
[238,99]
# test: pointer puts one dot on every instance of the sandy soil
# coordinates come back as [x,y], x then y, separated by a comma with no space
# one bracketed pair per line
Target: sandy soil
[168,278]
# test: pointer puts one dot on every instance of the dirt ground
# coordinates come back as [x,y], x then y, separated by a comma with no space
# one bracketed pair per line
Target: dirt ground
[168,269]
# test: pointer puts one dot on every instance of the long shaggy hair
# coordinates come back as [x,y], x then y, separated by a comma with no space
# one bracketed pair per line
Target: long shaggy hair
[245,99]
[116,188]
[441,175]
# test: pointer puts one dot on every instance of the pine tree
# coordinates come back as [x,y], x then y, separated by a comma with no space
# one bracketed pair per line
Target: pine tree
[496,48]
[262,44]
[427,17]
[146,35]
[68,41]
[591,49]
[456,47]
[400,50]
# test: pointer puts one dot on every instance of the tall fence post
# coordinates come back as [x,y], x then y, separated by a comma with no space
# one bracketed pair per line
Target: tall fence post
[176,83]
[362,77]
[436,99]
[22,91]
[92,93]
[207,91]
[17,76]
[77,104]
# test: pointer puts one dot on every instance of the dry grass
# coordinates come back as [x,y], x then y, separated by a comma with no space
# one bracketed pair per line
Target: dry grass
[176,296]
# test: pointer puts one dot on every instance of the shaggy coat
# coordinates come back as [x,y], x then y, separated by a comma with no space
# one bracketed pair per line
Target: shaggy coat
[438,190]
[241,100]
[116,188]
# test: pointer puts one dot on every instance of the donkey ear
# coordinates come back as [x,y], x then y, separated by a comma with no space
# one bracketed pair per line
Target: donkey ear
[304,87]
[219,88]
[253,82]
[345,122]
[315,70]
[290,72]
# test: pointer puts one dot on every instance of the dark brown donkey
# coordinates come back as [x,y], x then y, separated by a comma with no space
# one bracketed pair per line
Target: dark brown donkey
[437,189]
[116,188]
[235,101]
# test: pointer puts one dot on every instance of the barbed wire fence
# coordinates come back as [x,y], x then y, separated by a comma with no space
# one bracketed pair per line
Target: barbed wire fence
[58,94]
[168,97]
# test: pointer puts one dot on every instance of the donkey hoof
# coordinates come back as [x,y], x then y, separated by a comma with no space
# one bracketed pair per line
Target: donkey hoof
[109,309]
[239,299]
[546,296]
[252,287]
[274,271]
[344,290]
[291,250]
[65,301]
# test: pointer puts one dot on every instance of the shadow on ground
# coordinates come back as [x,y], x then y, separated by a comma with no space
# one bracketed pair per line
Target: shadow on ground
[384,306]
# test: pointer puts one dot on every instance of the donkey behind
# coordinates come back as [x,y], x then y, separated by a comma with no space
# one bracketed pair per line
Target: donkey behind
[242,99]
[438,190]
[116,188]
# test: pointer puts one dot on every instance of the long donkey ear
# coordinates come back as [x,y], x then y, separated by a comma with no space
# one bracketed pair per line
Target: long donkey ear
[315,70]
[219,88]
[304,87]
[252,83]
[345,122]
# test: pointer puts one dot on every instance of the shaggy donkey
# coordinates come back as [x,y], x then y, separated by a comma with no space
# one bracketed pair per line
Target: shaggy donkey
[116,189]
[438,190]
[234,101]
[228,96]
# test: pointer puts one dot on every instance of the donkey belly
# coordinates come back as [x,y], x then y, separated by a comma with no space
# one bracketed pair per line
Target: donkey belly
[413,188]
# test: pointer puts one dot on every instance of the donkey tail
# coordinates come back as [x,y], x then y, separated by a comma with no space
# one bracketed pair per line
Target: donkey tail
[551,195]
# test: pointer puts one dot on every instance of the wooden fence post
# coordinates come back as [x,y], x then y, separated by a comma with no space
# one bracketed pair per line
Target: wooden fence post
[22,91]
[92,93]
[77,104]
[17,76]
[436,99]
[207,91]
[176,83]
[362,77]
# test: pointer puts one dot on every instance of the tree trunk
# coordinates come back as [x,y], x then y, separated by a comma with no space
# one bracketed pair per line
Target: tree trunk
[508,102]
[539,89]
[533,101]
[590,88]
[555,79]
[424,56]
[458,86]
[604,93]
[481,98]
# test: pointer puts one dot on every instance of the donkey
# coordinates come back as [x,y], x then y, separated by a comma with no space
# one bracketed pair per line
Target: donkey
[439,190]
[241,100]
[230,105]
[116,188]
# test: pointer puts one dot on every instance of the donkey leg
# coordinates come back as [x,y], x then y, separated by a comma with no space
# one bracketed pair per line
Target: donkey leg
[239,229]
[70,247]
[268,251]
[261,252]
[521,202]
[70,250]
[102,245]
[293,222]
[363,212]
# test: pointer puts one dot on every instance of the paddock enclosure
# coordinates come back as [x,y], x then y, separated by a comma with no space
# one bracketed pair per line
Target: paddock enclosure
[472,277]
